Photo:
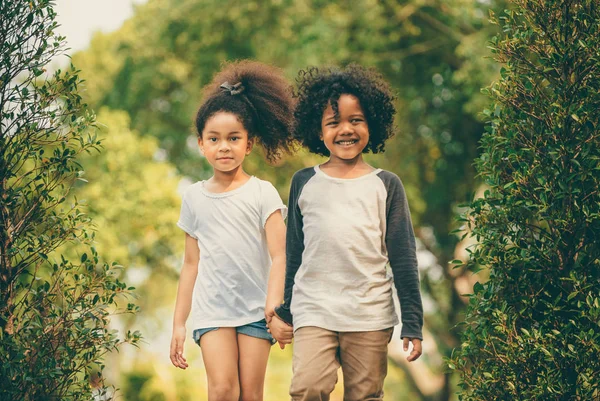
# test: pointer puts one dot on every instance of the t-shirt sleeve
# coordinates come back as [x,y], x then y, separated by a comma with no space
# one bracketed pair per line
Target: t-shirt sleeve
[186,217]
[401,247]
[270,203]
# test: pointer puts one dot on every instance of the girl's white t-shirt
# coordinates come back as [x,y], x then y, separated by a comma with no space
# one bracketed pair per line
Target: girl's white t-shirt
[231,286]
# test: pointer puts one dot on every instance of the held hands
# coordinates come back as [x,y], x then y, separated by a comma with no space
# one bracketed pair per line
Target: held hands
[417,348]
[280,330]
[269,312]
[176,353]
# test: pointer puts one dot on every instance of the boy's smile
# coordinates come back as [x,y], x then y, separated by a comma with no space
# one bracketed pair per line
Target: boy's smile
[347,134]
[346,142]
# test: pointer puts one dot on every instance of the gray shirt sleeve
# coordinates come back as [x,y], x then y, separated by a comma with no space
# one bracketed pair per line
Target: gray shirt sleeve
[294,241]
[400,244]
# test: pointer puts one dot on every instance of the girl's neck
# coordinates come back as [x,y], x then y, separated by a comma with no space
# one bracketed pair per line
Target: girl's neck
[340,168]
[223,181]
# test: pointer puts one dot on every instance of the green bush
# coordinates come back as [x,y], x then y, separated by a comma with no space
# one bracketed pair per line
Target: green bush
[54,311]
[532,330]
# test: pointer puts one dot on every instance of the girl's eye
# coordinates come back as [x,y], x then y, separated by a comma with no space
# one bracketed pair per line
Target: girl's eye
[235,138]
[332,123]
[356,120]
[212,139]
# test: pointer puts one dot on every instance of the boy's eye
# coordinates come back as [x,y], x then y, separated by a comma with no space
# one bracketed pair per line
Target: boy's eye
[332,123]
[212,139]
[356,120]
[235,138]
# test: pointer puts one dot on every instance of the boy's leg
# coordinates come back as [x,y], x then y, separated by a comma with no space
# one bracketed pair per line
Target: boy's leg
[254,354]
[220,355]
[363,356]
[315,364]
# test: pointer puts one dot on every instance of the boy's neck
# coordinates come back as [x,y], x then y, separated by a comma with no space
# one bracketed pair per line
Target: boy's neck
[341,168]
[223,181]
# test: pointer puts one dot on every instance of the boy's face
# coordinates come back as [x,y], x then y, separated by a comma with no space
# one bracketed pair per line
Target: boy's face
[224,141]
[347,134]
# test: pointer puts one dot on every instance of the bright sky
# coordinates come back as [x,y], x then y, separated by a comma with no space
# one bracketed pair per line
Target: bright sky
[79,19]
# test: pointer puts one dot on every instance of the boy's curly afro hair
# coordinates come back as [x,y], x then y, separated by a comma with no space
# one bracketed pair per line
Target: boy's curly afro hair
[262,101]
[319,87]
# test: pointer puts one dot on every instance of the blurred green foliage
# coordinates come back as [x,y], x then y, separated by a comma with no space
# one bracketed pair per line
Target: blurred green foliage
[132,195]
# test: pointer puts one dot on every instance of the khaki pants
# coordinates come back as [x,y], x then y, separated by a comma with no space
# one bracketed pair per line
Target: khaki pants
[318,353]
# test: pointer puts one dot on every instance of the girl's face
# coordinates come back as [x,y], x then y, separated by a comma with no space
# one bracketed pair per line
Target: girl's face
[346,135]
[224,141]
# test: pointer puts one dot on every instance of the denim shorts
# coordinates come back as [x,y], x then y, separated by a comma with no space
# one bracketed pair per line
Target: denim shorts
[255,329]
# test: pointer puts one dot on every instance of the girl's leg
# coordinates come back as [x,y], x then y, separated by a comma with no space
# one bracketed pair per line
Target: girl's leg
[220,355]
[254,354]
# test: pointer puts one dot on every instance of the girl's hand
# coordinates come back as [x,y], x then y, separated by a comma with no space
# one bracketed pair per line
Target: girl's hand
[281,331]
[176,353]
[416,351]
[270,312]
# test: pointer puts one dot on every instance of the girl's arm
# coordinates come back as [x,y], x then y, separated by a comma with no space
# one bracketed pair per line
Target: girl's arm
[183,304]
[275,232]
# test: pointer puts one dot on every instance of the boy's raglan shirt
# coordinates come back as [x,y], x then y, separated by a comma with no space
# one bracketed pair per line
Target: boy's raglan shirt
[341,235]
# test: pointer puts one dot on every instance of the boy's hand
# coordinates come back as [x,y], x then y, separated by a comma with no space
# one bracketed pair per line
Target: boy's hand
[416,351]
[176,353]
[281,331]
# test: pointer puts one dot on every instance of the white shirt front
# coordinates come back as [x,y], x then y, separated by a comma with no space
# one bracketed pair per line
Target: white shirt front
[231,286]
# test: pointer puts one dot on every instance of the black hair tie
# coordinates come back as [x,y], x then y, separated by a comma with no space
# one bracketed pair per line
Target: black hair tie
[232,89]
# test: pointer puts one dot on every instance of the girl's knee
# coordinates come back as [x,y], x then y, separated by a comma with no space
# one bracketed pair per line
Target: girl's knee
[223,391]
[251,395]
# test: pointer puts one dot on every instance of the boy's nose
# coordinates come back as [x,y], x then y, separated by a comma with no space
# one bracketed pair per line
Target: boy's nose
[346,129]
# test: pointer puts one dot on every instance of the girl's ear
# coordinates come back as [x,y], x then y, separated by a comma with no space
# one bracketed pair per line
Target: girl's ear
[201,144]
[249,146]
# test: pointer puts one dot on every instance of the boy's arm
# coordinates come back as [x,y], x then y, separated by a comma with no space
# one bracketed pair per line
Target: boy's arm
[400,243]
[293,252]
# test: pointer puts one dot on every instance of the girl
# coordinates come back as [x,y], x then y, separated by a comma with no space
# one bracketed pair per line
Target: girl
[347,221]
[234,232]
